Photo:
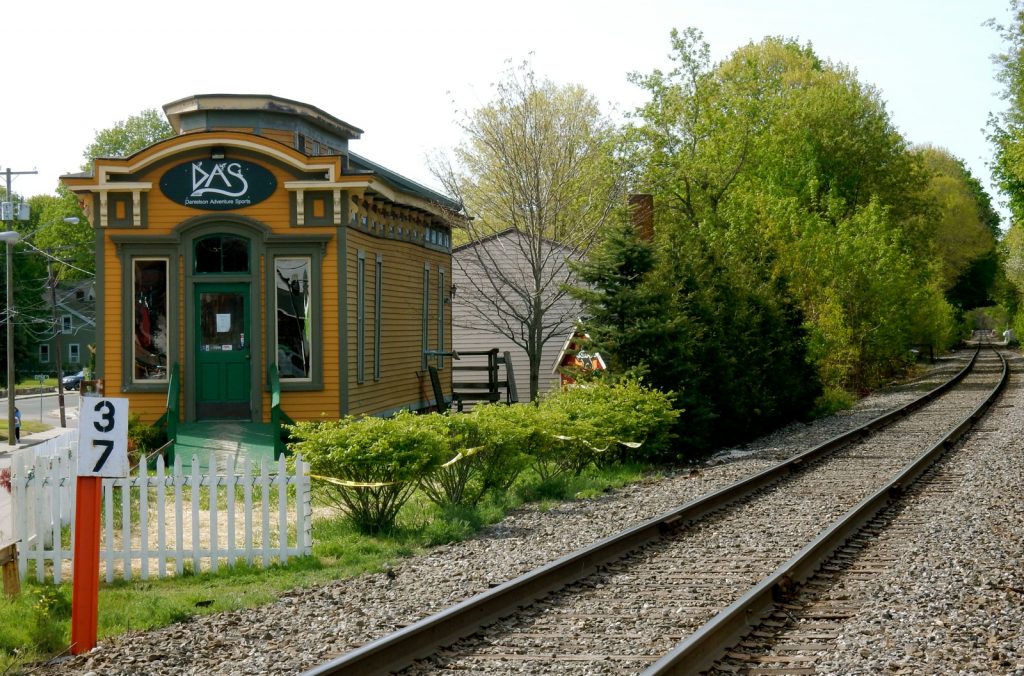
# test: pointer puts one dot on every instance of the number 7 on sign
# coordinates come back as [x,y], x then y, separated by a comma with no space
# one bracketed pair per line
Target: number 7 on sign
[103,437]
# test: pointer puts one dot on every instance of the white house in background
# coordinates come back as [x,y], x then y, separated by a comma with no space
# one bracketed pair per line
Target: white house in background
[74,329]
[487,310]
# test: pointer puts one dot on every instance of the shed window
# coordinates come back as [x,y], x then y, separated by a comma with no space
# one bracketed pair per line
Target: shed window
[292,276]
[149,292]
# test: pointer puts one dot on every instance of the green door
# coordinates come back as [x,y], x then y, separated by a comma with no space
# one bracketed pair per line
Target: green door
[223,356]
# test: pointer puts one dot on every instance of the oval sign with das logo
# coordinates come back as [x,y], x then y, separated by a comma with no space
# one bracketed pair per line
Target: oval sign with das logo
[218,184]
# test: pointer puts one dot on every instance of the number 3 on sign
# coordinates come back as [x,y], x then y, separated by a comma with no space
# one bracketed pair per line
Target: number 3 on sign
[103,437]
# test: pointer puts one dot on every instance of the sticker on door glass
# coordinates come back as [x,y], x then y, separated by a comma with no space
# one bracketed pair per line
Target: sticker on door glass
[223,322]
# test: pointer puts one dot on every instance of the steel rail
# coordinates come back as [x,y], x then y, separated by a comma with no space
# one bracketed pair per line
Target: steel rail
[701,649]
[420,639]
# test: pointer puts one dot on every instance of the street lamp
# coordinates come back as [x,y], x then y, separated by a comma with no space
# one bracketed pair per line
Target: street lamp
[10,237]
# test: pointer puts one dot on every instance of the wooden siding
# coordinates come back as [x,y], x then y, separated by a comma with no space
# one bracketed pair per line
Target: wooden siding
[473,302]
[402,381]
[279,135]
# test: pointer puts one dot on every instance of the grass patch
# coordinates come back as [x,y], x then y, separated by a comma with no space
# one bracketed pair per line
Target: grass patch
[36,625]
[27,427]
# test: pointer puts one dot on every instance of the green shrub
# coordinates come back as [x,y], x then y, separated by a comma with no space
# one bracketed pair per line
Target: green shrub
[832,400]
[458,481]
[371,466]
[533,430]
[614,421]
[143,439]
[506,445]
[51,614]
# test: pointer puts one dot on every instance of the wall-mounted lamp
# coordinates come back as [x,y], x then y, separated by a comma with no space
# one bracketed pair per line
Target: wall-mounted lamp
[451,293]
[216,153]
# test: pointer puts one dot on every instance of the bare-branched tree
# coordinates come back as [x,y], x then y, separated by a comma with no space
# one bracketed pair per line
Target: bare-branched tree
[538,179]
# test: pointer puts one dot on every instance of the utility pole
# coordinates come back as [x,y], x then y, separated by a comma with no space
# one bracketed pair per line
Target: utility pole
[10,212]
[58,330]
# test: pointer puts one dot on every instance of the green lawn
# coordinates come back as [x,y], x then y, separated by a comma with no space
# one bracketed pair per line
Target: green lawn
[27,427]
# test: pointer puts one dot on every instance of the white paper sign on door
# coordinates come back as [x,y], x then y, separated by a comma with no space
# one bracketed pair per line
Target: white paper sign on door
[223,323]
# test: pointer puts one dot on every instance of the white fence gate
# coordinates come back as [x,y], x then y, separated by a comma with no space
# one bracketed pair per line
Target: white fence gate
[162,523]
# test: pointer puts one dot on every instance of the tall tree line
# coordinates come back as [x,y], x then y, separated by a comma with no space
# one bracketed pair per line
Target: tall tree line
[801,250]
[802,247]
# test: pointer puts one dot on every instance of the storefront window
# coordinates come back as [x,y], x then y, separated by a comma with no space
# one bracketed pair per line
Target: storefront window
[149,292]
[294,328]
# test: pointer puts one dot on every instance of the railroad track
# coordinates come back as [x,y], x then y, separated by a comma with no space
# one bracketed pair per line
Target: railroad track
[669,595]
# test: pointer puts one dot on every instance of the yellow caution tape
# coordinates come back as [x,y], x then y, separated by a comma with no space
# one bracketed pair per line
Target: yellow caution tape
[462,454]
[353,484]
[627,444]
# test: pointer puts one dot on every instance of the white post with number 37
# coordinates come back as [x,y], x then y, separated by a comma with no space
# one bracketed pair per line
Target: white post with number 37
[103,437]
[102,452]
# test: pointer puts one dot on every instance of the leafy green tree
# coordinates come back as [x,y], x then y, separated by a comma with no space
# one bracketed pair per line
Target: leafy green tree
[1006,129]
[963,227]
[790,175]
[128,136]
[72,243]
[29,275]
[537,162]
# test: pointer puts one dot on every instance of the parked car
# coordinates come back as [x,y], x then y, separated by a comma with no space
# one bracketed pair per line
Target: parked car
[74,381]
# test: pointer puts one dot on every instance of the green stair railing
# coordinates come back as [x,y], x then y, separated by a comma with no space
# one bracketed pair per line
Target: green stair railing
[172,416]
[278,418]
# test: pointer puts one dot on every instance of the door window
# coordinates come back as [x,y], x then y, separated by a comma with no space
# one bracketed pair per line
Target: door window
[218,254]
[222,322]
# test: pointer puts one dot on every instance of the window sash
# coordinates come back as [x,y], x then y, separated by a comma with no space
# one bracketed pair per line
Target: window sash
[440,318]
[293,351]
[426,316]
[360,317]
[146,323]
[378,293]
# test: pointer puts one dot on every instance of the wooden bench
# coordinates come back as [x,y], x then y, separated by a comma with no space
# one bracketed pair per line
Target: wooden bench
[492,384]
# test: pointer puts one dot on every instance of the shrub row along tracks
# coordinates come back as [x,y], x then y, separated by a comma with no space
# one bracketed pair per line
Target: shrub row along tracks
[672,594]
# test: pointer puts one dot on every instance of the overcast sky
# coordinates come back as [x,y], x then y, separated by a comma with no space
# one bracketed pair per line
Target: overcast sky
[400,70]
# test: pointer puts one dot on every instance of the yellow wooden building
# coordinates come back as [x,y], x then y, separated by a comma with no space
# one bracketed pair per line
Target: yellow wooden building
[255,238]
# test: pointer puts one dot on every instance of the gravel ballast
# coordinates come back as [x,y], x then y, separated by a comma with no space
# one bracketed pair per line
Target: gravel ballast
[309,626]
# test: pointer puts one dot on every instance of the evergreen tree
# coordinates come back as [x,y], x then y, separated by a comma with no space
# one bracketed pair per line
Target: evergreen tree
[626,313]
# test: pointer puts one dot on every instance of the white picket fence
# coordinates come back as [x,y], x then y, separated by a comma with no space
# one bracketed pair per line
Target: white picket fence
[187,519]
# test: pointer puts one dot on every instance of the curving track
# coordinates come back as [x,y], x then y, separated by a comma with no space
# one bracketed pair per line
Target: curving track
[622,610]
